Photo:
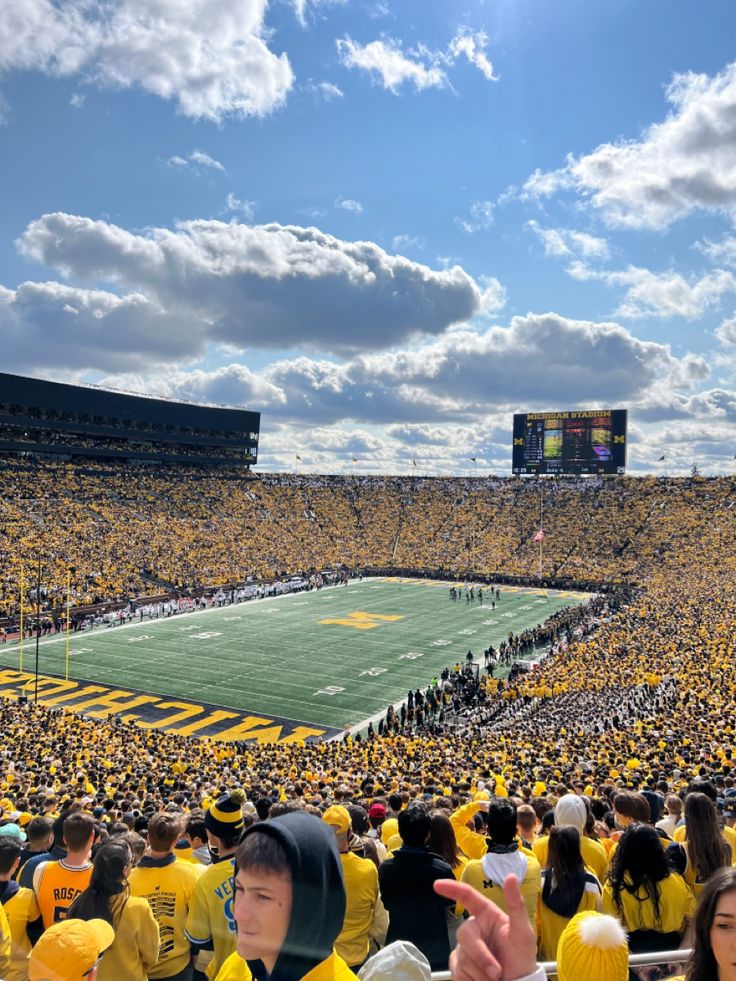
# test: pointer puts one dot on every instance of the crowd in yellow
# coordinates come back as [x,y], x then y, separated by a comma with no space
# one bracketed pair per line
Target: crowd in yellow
[128,532]
[633,713]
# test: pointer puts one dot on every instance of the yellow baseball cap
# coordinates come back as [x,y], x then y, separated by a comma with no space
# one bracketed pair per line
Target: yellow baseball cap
[69,950]
[338,818]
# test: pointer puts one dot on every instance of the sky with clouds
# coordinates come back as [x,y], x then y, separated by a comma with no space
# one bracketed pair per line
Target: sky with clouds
[386,224]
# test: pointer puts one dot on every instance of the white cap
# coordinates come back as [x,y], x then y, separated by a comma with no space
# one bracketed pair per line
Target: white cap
[400,961]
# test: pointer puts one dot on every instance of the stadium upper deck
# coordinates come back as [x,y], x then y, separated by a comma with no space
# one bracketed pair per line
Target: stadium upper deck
[75,423]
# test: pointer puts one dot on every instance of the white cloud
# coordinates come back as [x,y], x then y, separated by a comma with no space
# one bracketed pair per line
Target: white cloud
[211,59]
[726,333]
[52,325]
[236,206]
[457,378]
[195,161]
[565,242]
[400,242]
[473,47]
[667,294]
[386,61]
[265,286]
[421,434]
[553,239]
[301,7]
[349,204]
[723,251]
[686,163]
[77,100]
[481,217]
[324,91]
[493,297]
[378,9]
[199,157]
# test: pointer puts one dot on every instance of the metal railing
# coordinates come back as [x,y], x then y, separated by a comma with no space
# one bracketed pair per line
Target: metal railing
[635,960]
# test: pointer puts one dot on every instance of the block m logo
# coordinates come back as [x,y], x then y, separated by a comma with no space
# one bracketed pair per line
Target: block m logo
[362,621]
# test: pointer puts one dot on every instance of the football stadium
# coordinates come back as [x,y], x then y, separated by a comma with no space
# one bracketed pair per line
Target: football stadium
[178,629]
[367,490]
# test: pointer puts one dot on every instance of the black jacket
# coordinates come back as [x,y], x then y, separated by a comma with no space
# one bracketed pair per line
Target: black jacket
[416,913]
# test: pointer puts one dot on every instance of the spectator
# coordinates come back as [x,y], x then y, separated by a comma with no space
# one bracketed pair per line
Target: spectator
[568,888]
[211,922]
[168,886]
[21,908]
[134,952]
[504,857]
[289,903]
[39,832]
[715,920]
[69,950]
[365,916]
[406,879]
[652,902]
[705,851]
[57,883]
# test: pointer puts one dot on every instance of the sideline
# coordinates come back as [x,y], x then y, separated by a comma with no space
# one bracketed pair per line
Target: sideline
[152,621]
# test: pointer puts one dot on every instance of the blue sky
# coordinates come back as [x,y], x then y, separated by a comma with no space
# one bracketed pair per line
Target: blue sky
[386,225]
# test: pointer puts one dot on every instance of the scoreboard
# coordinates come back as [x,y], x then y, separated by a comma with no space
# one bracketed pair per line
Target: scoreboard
[586,442]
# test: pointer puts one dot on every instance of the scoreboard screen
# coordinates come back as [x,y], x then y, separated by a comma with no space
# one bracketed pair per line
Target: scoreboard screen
[586,442]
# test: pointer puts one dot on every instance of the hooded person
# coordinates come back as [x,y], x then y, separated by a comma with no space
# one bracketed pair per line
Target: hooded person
[504,857]
[571,811]
[289,903]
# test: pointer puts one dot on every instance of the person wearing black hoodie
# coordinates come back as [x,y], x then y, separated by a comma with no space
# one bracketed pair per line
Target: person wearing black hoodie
[406,883]
[289,903]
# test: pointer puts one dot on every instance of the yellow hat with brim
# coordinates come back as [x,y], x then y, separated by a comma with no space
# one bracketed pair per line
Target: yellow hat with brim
[338,817]
[69,950]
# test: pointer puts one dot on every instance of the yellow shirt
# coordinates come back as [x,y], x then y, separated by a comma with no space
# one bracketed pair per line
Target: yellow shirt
[550,925]
[57,885]
[168,886]
[469,842]
[134,951]
[211,914]
[20,910]
[332,969]
[361,893]
[676,904]
[531,884]
[5,943]
[594,855]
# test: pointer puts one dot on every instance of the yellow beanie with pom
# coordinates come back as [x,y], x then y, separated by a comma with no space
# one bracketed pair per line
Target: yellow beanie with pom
[593,946]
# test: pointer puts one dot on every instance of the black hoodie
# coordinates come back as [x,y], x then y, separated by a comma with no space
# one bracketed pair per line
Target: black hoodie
[318,894]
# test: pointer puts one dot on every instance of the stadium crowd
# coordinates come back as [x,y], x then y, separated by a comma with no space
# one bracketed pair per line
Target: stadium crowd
[603,780]
[187,529]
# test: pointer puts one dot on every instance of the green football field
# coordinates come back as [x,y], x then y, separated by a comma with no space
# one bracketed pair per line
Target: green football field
[330,658]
